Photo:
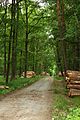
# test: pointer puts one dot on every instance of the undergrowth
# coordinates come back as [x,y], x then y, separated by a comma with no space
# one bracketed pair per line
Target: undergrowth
[17,83]
[64,107]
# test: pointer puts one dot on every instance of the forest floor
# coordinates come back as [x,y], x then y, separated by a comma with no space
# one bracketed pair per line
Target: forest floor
[64,107]
[30,103]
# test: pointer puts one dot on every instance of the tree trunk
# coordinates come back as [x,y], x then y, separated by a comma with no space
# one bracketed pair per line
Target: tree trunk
[33,56]
[20,68]
[59,35]
[17,25]
[10,40]
[59,60]
[13,43]
[63,36]
[5,42]
[61,29]
[26,40]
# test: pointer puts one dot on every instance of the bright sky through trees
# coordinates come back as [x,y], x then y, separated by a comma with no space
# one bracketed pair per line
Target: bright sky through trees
[40,2]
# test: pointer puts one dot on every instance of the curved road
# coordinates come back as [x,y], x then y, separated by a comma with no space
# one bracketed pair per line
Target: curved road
[32,103]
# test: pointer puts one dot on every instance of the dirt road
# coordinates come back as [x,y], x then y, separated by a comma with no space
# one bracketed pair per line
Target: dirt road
[32,103]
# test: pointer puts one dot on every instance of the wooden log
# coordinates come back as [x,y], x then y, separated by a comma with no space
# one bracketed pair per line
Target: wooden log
[73,75]
[77,78]
[73,86]
[45,74]
[4,87]
[72,72]
[74,82]
[73,92]
[69,80]
[29,74]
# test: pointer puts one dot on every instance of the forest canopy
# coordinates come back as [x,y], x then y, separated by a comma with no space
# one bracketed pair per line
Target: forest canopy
[38,35]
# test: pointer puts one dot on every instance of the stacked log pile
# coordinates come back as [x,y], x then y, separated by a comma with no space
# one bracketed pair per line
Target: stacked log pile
[29,74]
[45,74]
[73,83]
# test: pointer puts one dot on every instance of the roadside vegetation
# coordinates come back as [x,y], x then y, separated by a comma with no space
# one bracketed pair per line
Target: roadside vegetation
[64,107]
[17,84]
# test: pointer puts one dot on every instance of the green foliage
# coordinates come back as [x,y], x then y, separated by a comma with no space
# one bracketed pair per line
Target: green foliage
[74,114]
[64,108]
[40,47]
[58,78]
[18,83]
[42,36]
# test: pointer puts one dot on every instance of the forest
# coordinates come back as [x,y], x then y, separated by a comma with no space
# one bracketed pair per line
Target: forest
[39,36]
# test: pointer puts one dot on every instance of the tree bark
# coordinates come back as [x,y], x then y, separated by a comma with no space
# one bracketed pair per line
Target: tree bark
[59,60]
[10,41]
[17,25]
[20,68]
[13,43]
[61,31]
[63,36]
[26,40]
[5,42]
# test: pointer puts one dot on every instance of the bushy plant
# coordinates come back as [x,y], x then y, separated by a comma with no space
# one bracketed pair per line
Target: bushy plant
[74,114]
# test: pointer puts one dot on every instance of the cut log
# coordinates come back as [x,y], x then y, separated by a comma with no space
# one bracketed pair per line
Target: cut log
[4,87]
[45,74]
[73,86]
[75,82]
[60,74]
[29,74]
[77,78]
[73,75]
[74,92]
[69,80]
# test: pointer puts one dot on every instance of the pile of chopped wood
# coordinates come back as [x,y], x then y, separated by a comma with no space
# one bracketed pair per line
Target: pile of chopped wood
[29,74]
[45,74]
[73,82]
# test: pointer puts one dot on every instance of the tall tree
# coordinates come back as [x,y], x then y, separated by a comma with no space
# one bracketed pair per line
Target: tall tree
[17,32]
[5,39]
[10,41]
[13,42]
[61,29]
[26,39]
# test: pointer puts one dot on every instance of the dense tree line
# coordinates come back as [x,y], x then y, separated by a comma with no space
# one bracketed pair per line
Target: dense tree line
[66,31]
[36,36]
[24,39]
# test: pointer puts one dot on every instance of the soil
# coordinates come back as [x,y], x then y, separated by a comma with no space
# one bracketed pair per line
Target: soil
[30,103]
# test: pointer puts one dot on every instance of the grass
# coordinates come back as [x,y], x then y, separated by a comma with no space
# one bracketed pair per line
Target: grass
[64,106]
[17,84]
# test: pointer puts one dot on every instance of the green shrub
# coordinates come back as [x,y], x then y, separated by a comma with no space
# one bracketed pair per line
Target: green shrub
[74,114]
[17,83]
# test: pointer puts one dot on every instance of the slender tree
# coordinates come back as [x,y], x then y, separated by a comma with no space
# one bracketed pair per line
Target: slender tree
[13,42]
[10,41]
[20,68]
[61,29]
[17,31]
[63,38]
[5,39]
[26,40]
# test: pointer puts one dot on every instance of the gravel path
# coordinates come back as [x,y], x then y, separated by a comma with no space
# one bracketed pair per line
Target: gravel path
[32,103]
